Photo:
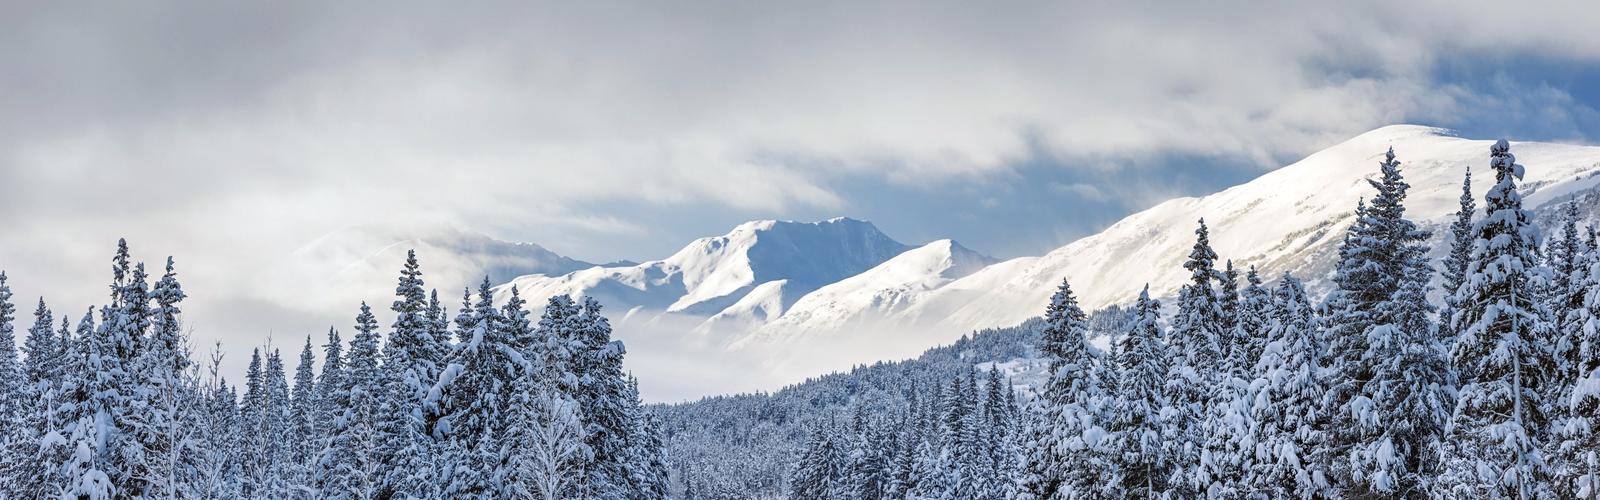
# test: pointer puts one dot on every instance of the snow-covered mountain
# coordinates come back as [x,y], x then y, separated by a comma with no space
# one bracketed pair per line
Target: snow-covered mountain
[1290,219]
[752,274]
[783,300]
[861,300]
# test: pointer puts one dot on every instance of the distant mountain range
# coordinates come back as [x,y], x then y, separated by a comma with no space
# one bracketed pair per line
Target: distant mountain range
[773,301]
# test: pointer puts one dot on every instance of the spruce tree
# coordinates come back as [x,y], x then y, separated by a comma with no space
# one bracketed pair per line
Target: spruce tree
[1195,390]
[1286,403]
[354,461]
[1063,432]
[1140,453]
[1454,268]
[411,360]
[1498,424]
[302,431]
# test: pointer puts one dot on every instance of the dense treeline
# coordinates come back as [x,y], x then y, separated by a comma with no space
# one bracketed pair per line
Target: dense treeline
[751,445]
[491,403]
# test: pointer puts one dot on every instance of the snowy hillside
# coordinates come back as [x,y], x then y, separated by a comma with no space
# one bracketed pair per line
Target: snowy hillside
[861,300]
[1287,220]
[754,272]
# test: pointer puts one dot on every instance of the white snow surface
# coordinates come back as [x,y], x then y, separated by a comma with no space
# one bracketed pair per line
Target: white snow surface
[1290,219]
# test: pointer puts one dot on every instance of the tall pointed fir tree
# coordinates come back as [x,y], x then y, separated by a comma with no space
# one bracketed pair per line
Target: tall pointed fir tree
[604,401]
[302,430]
[411,360]
[1197,390]
[1141,452]
[166,399]
[332,397]
[42,372]
[1287,399]
[1453,270]
[1498,424]
[1251,327]
[819,475]
[12,385]
[1576,460]
[1062,432]
[354,460]
[1390,388]
[473,389]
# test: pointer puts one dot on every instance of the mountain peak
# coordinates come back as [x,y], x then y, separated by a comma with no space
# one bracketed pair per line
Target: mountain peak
[1403,131]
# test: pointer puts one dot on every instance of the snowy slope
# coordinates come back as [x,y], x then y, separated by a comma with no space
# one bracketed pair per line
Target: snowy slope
[752,273]
[1290,219]
[863,299]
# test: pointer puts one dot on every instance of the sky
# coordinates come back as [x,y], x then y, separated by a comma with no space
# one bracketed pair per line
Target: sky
[229,134]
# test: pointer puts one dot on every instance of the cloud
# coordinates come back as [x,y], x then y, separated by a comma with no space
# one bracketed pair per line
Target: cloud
[1079,189]
[231,133]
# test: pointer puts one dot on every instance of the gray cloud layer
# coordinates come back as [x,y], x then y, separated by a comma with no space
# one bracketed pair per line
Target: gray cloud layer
[230,133]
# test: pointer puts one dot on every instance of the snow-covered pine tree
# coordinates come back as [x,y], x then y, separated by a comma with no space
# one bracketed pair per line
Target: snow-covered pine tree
[647,452]
[411,360]
[1568,258]
[820,475]
[603,399]
[1251,327]
[1288,394]
[42,366]
[264,413]
[1005,454]
[12,386]
[1579,475]
[302,429]
[1195,387]
[472,391]
[1453,270]
[1576,461]
[354,462]
[124,328]
[1062,435]
[162,409]
[80,452]
[1228,311]
[1497,425]
[332,401]
[1376,446]
[1139,452]
[42,371]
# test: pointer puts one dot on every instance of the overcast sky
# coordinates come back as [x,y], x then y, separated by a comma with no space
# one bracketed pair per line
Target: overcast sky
[231,133]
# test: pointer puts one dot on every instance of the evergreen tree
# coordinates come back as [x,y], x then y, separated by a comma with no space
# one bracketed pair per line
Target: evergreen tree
[1386,418]
[1287,400]
[1063,433]
[819,475]
[332,399]
[472,391]
[411,360]
[302,431]
[354,460]
[1141,455]
[1454,268]
[1498,424]
[603,399]
[1194,389]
